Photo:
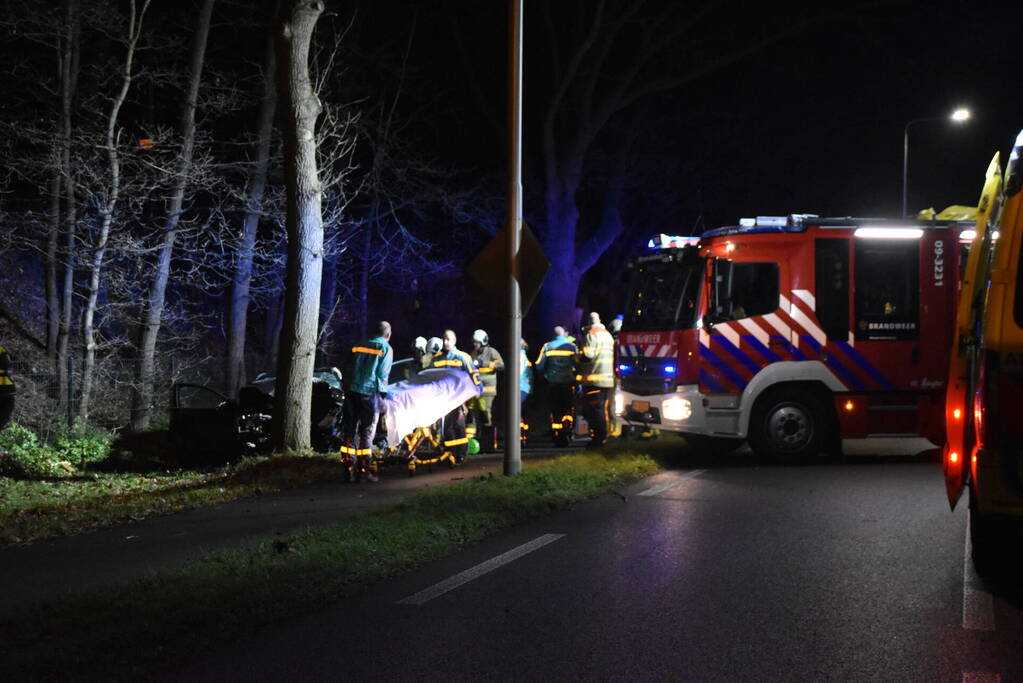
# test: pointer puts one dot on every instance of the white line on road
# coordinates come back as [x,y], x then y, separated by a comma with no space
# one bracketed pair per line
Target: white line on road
[662,487]
[978,605]
[977,677]
[479,570]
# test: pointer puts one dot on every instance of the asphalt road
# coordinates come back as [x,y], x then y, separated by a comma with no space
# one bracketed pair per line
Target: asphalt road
[53,568]
[845,571]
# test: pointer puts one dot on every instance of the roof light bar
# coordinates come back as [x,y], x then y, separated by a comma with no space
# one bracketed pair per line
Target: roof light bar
[663,241]
[890,233]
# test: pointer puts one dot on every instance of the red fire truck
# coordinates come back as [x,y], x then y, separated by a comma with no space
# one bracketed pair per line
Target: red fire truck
[793,332]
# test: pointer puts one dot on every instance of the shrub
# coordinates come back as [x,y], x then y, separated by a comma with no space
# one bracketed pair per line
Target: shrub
[25,456]
[82,446]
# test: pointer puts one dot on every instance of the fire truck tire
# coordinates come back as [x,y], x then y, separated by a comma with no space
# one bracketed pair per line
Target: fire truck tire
[991,540]
[789,424]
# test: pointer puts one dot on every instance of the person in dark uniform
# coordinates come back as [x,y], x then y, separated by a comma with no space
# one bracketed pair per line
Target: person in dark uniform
[368,367]
[454,437]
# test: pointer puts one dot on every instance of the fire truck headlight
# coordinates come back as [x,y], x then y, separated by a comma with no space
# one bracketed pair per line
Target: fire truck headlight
[619,404]
[676,408]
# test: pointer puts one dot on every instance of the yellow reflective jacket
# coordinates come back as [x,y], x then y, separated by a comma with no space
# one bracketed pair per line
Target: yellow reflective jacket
[596,359]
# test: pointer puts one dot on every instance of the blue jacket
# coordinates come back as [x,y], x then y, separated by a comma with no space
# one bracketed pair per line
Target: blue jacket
[457,359]
[368,366]
[526,373]
[557,361]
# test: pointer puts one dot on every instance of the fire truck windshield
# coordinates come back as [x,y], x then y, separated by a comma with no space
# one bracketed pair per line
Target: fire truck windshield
[665,295]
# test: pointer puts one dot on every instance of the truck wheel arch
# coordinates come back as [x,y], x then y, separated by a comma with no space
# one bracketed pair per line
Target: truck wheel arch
[809,376]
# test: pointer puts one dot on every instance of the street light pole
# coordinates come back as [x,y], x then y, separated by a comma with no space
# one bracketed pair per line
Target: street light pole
[958,116]
[512,362]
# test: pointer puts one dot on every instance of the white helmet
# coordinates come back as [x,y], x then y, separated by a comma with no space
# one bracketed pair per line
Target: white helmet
[419,344]
[434,345]
[481,337]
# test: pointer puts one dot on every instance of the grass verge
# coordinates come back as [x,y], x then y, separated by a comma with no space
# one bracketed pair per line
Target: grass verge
[155,624]
[35,509]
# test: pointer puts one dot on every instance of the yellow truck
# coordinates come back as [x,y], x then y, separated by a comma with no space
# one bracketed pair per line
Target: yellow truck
[984,402]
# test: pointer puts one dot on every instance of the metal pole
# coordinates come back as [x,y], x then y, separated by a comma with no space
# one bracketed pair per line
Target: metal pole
[905,166]
[512,363]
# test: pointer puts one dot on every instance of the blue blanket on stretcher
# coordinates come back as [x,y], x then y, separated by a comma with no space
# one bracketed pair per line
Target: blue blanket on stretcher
[423,399]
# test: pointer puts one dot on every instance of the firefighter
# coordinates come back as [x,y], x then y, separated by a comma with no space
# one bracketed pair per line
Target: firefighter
[556,363]
[488,361]
[368,367]
[614,424]
[596,374]
[453,434]
[419,355]
[6,388]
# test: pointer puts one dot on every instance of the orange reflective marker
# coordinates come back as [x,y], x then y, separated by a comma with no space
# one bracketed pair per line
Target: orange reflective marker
[849,405]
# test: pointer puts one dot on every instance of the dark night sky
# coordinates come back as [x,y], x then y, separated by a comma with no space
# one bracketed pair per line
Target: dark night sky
[815,122]
[812,123]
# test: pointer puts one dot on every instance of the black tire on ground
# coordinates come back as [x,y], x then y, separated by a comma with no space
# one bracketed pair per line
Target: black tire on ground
[790,424]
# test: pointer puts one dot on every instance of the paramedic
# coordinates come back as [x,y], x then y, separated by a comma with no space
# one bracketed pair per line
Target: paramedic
[368,367]
[525,388]
[488,361]
[596,375]
[453,434]
[556,363]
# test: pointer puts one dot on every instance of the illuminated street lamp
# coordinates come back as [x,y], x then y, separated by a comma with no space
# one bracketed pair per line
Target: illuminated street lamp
[958,116]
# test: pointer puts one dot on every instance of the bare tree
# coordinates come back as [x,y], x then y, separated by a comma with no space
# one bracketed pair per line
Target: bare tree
[69,64]
[142,404]
[108,202]
[293,396]
[242,277]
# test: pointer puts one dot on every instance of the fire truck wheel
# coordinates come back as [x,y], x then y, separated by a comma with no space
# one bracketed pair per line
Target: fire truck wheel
[990,537]
[788,424]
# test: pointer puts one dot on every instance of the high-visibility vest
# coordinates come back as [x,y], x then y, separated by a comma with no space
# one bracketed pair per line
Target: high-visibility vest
[596,359]
[488,361]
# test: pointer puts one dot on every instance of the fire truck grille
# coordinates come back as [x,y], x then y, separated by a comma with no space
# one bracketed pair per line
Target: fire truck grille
[646,386]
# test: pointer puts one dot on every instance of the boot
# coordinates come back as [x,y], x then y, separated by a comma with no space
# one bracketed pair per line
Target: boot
[364,472]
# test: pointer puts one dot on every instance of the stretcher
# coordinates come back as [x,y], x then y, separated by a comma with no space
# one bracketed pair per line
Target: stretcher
[411,413]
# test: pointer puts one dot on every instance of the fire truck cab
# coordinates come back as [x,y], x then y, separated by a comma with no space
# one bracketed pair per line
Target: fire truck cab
[792,332]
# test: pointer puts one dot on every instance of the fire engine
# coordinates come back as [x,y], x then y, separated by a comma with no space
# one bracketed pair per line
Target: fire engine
[793,332]
[984,450]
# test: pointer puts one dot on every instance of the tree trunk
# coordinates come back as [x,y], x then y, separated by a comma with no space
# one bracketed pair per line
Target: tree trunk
[106,213]
[52,240]
[561,286]
[68,84]
[362,308]
[240,286]
[293,395]
[143,398]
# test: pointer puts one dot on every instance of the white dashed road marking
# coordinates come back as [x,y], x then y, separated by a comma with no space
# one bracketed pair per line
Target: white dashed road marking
[664,486]
[479,570]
